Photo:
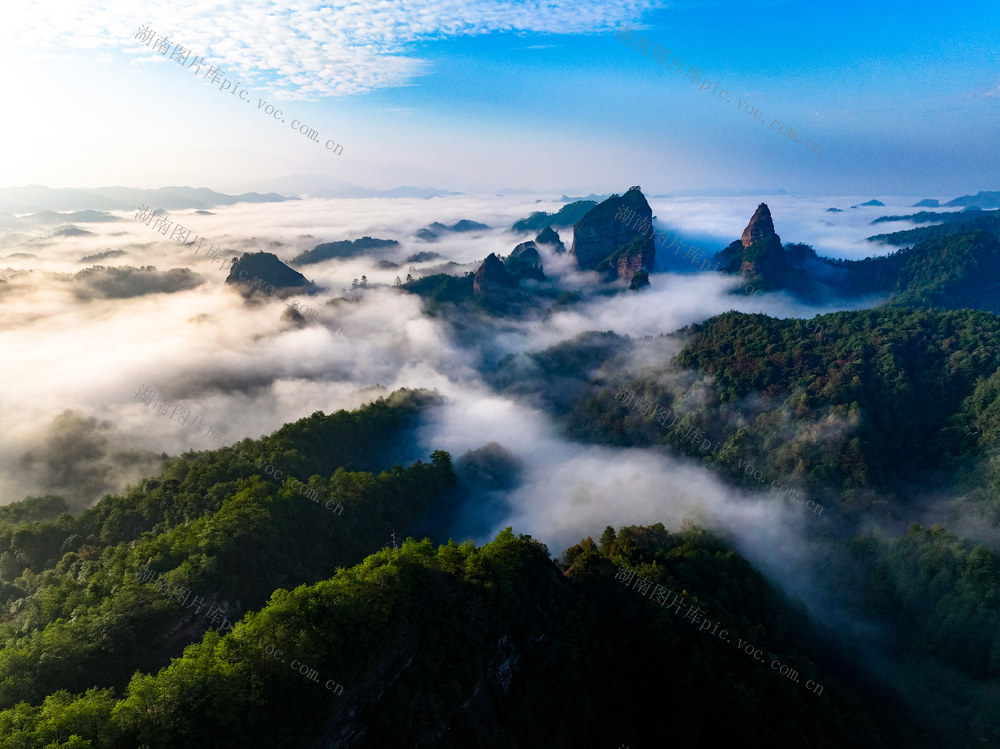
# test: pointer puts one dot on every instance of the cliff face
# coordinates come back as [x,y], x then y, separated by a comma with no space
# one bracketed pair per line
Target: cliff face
[628,260]
[634,260]
[764,258]
[601,233]
[758,253]
[761,226]
[492,275]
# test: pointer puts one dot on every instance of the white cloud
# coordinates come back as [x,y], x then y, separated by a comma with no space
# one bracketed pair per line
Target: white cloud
[302,49]
[245,371]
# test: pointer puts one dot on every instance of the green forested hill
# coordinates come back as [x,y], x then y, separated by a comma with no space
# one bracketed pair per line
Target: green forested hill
[302,638]
[568,215]
[941,595]
[879,416]
[952,272]
[954,223]
[215,523]
[873,399]
[495,647]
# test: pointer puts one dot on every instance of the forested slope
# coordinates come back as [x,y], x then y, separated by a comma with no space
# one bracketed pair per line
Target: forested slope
[214,524]
[496,647]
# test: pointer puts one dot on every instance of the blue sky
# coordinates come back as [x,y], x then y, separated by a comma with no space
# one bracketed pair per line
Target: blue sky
[904,98]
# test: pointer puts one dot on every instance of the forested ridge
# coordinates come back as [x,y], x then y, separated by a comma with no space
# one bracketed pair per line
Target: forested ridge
[438,643]
[870,399]
[494,646]
[875,414]
[76,615]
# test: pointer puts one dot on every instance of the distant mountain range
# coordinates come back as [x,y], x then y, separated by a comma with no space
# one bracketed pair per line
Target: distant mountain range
[981,199]
[959,222]
[36,199]
[39,199]
[927,217]
[322,186]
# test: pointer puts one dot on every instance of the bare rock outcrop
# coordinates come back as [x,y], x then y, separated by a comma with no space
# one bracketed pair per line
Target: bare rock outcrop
[615,235]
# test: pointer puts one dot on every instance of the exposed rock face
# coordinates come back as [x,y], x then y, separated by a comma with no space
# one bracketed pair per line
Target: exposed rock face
[626,261]
[760,226]
[548,235]
[599,236]
[759,253]
[762,250]
[491,275]
[634,260]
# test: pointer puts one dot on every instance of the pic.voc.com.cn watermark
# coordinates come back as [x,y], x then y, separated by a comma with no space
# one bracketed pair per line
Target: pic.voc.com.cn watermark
[165,48]
[180,594]
[647,48]
[178,413]
[694,613]
[179,234]
[296,665]
[694,435]
[293,483]
[645,227]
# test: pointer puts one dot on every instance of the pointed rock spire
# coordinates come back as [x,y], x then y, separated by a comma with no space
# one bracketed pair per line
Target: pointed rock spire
[760,227]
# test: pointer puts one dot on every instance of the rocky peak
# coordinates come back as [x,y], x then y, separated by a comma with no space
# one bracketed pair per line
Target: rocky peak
[627,260]
[611,226]
[548,235]
[760,227]
[492,275]
[761,246]
[758,254]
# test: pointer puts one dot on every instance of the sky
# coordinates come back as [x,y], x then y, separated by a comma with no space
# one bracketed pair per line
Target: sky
[479,97]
